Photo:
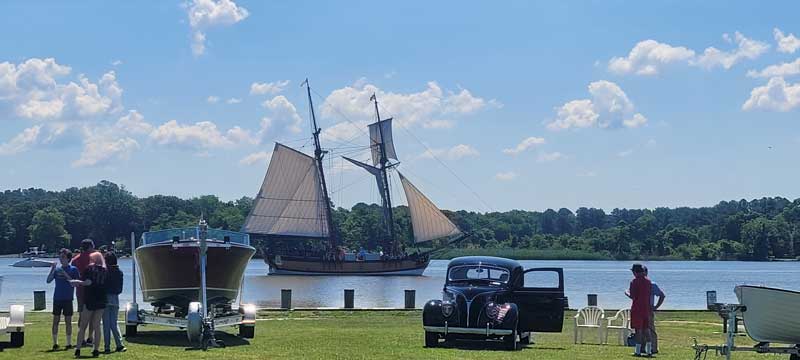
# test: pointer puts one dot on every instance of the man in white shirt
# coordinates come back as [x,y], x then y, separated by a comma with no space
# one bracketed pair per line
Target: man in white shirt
[654,292]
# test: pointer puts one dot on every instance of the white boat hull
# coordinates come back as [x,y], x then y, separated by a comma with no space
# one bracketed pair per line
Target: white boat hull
[772,315]
[34,263]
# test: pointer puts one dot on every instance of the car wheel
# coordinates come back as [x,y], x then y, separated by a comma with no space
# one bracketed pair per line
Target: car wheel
[525,338]
[431,339]
[511,341]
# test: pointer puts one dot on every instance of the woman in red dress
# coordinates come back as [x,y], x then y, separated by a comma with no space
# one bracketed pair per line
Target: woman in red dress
[640,309]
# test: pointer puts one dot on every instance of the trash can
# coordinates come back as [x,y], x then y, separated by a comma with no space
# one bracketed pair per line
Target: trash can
[349,294]
[410,299]
[39,300]
[286,298]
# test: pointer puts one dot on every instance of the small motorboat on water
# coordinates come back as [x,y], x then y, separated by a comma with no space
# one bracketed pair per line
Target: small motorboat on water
[34,262]
[771,315]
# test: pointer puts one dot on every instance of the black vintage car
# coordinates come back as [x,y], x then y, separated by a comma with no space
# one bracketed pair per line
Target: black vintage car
[495,298]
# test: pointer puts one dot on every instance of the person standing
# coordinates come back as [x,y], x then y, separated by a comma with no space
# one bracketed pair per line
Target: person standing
[655,291]
[63,294]
[81,261]
[93,281]
[113,289]
[640,288]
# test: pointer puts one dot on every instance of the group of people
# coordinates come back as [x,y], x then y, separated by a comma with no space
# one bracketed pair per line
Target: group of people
[94,278]
[643,293]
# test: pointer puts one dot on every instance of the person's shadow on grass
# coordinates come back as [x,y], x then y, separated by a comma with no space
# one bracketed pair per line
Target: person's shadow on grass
[489,345]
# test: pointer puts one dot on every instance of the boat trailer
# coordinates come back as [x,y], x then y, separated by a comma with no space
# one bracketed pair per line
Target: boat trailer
[730,317]
[200,322]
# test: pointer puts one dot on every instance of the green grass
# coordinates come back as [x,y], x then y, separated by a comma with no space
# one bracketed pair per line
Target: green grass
[375,335]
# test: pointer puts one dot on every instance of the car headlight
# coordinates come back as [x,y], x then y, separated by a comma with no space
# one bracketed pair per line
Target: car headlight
[497,312]
[448,308]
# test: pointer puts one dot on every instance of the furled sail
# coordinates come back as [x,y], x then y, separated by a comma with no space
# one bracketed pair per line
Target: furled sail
[376,130]
[427,220]
[290,202]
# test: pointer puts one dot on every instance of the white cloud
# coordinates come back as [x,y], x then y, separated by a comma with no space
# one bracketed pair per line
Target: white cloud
[745,49]
[786,43]
[133,123]
[205,14]
[271,88]
[552,156]
[609,106]
[345,131]
[428,106]
[438,124]
[648,56]
[636,121]
[212,99]
[524,145]
[202,135]
[22,142]
[260,158]
[777,95]
[782,69]
[34,92]
[587,174]
[232,101]
[454,153]
[625,153]
[282,110]
[116,62]
[100,147]
[505,176]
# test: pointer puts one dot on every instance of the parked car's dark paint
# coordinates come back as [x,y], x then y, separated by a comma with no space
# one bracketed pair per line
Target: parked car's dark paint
[490,308]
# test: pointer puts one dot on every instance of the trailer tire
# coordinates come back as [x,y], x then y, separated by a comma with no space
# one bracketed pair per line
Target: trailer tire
[130,330]
[431,339]
[17,339]
[247,331]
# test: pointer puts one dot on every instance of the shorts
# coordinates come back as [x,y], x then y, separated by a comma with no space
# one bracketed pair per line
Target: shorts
[62,306]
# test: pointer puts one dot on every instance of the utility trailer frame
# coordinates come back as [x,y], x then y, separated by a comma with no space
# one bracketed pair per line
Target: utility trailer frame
[200,324]
[729,314]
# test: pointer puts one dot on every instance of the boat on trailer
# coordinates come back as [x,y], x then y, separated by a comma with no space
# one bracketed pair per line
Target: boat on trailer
[771,315]
[192,277]
[293,207]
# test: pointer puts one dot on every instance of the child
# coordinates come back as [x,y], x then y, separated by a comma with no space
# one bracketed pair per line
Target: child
[640,289]
[113,289]
[63,294]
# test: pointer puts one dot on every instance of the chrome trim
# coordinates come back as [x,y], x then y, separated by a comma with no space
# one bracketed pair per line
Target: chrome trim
[474,331]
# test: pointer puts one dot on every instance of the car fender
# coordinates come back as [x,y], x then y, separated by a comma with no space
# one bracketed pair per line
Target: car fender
[432,313]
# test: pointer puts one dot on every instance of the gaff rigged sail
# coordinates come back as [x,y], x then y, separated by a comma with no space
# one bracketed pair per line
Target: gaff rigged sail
[427,221]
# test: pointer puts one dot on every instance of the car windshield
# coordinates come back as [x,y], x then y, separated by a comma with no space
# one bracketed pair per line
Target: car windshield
[478,273]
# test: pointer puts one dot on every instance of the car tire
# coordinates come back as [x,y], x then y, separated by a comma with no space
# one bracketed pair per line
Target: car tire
[525,339]
[247,331]
[510,341]
[431,339]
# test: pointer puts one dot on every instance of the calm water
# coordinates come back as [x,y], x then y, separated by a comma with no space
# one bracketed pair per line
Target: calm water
[684,282]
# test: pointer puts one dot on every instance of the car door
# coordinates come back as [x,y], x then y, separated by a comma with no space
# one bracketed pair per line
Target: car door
[540,299]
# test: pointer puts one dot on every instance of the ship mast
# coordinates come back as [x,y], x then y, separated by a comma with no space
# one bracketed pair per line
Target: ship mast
[318,155]
[387,201]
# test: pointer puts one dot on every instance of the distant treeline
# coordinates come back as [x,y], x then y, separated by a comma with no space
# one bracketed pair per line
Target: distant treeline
[106,212]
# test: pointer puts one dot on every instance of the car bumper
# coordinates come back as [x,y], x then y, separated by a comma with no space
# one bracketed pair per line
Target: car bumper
[473,331]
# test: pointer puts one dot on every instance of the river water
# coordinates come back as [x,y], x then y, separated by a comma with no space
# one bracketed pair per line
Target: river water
[684,282]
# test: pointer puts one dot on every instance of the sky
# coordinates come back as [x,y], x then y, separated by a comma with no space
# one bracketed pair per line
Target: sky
[496,105]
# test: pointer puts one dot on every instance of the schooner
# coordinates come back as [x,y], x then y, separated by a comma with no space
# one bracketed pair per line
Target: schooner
[293,205]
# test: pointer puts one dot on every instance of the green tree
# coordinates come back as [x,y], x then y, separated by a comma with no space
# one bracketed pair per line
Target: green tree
[47,230]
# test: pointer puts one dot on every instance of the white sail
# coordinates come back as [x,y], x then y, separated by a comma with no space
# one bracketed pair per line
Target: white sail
[427,220]
[375,134]
[290,202]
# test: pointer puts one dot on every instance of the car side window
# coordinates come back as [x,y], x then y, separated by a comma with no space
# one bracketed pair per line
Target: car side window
[541,279]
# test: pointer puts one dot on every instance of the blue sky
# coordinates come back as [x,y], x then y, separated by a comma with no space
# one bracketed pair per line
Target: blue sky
[533,105]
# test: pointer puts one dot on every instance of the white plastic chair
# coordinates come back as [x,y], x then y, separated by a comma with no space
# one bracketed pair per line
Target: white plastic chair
[590,317]
[621,321]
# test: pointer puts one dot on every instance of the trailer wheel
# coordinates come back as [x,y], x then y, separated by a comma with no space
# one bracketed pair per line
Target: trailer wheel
[130,330]
[247,331]
[17,339]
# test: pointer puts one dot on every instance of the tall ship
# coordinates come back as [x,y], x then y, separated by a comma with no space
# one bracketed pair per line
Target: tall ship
[293,207]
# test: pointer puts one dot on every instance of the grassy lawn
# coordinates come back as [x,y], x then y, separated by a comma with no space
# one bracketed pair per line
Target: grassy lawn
[374,335]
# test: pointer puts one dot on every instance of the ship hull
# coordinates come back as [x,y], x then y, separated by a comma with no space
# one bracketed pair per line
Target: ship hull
[170,274]
[290,265]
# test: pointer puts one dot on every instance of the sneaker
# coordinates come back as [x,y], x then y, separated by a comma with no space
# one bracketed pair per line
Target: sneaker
[77,353]
[107,351]
[68,347]
[55,347]
[95,353]
[121,349]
